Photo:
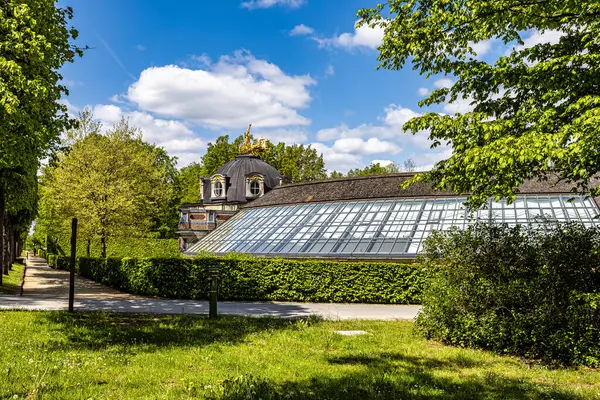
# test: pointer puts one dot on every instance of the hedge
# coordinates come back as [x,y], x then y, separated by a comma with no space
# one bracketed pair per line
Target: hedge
[119,247]
[250,278]
[534,293]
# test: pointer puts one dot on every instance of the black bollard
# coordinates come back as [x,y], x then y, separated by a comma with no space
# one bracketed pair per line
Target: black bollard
[213,271]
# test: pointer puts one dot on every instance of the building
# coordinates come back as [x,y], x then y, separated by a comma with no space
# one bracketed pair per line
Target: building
[373,217]
[235,184]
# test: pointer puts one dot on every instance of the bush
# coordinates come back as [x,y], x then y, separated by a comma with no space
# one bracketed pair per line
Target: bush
[52,260]
[63,263]
[513,290]
[250,278]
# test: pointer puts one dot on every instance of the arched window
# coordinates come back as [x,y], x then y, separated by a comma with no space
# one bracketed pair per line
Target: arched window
[254,188]
[218,189]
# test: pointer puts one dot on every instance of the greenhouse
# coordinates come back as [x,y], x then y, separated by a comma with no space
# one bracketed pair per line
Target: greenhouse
[371,217]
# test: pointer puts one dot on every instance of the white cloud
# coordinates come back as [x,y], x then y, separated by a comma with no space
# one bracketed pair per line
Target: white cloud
[252,4]
[391,128]
[140,47]
[368,147]
[423,91]
[382,163]
[443,83]
[536,37]
[335,160]
[301,30]
[287,136]
[230,93]
[482,48]
[330,70]
[362,37]
[174,136]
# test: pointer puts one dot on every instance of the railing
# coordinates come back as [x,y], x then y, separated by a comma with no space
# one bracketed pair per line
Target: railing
[197,226]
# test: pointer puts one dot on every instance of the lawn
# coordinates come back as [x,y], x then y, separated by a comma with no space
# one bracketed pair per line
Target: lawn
[12,281]
[56,355]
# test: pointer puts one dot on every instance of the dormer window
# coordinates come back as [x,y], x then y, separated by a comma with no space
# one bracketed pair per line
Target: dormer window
[218,188]
[255,186]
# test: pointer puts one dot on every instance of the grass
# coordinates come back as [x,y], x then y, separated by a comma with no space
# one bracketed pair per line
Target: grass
[56,355]
[12,281]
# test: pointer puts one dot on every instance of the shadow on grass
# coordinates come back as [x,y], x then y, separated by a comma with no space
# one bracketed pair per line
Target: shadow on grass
[397,376]
[100,330]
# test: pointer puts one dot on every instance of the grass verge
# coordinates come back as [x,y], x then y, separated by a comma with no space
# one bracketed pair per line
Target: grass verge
[56,355]
[12,282]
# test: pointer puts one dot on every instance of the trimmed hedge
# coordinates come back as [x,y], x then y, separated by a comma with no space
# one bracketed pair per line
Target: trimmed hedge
[120,247]
[249,278]
[518,291]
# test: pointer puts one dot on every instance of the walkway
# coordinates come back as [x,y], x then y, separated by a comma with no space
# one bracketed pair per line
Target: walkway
[47,289]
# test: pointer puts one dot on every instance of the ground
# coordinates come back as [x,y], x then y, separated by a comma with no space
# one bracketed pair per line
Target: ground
[56,355]
[12,282]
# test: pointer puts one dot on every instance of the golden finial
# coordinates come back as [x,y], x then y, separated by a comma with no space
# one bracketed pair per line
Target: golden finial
[261,145]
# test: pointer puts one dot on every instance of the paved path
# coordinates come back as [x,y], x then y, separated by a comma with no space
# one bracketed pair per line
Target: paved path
[47,289]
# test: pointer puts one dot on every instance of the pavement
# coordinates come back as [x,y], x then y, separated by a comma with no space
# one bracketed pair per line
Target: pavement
[47,289]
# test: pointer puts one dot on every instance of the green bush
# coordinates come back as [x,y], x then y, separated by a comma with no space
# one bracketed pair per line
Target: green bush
[117,247]
[513,290]
[52,260]
[250,278]
[63,263]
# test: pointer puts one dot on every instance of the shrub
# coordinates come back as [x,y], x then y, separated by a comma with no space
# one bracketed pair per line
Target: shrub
[52,260]
[250,278]
[515,290]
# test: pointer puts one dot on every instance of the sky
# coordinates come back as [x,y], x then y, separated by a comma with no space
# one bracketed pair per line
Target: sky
[298,70]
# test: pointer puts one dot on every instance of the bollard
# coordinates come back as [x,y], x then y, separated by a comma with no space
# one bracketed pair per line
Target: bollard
[213,271]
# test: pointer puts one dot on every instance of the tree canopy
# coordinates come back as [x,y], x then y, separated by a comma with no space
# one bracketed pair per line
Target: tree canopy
[114,183]
[299,162]
[535,110]
[35,42]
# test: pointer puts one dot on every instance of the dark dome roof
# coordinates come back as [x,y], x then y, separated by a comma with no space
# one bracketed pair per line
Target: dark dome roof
[237,170]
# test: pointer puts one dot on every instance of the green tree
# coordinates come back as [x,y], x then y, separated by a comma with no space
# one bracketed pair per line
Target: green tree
[335,175]
[535,110]
[35,42]
[300,163]
[189,183]
[115,184]
[373,169]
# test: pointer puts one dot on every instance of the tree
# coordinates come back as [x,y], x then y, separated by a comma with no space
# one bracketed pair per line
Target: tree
[534,111]
[36,43]
[300,163]
[336,175]
[409,165]
[114,183]
[373,169]
[189,183]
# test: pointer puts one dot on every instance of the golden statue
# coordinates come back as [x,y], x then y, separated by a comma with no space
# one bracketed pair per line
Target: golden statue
[260,146]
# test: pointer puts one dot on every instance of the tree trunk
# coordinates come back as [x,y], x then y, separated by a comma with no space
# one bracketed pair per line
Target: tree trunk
[88,245]
[103,243]
[1,229]
[5,249]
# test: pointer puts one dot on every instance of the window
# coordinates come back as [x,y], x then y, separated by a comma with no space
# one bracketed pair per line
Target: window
[254,188]
[218,189]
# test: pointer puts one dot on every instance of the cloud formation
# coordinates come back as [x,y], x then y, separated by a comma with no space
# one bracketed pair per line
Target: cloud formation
[230,93]
[252,4]
[301,30]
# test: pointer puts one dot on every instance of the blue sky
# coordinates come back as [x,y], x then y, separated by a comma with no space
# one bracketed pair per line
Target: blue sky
[297,69]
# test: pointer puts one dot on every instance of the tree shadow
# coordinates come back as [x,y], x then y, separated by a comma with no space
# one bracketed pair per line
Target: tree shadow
[397,376]
[102,330]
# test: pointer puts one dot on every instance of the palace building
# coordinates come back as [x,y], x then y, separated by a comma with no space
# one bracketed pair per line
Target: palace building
[249,207]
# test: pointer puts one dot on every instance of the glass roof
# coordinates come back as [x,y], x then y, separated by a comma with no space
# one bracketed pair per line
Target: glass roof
[373,229]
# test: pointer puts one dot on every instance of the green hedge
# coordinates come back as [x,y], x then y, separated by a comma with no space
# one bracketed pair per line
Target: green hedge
[248,278]
[120,247]
[512,290]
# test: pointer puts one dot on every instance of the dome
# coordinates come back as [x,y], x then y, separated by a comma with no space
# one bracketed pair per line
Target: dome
[246,166]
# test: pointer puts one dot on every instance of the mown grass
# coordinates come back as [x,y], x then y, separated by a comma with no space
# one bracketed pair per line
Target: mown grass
[12,281]
[56,355]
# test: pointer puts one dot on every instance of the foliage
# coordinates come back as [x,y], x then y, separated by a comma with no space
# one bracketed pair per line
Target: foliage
[119,247]
[377,169]
[298,162]
[534,110]
[129,356]
[114,183]
[189,183]
[251,278]
[12,282]
[512,290]
[36,41]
